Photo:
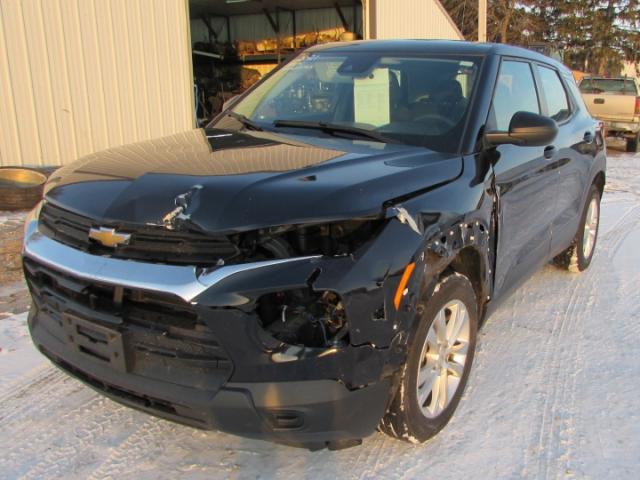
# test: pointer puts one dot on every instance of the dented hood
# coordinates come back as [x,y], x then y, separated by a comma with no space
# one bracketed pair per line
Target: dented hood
[222,181]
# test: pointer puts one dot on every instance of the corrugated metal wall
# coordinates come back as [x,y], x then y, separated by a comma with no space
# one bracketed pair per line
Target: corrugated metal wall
[77,76]
[410,19]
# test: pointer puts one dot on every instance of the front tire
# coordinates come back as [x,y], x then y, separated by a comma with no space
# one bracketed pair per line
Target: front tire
[578,256]
[632,143]
[438,363]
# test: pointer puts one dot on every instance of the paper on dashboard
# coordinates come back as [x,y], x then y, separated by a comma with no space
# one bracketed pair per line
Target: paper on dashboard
[371,98]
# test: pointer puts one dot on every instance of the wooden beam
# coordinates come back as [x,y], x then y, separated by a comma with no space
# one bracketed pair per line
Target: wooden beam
[294,28]
[274,23]
[482,20]
[355,16]
[228,22]
[278,36]
[345,24]
[210,28]
[372,20]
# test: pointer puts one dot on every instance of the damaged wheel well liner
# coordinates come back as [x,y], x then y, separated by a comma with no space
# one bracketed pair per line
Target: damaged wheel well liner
[468,262]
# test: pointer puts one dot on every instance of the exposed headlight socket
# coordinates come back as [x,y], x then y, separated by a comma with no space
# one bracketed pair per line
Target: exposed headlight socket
[304,317]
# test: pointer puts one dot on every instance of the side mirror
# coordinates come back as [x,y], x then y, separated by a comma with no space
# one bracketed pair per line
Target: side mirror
[526,129]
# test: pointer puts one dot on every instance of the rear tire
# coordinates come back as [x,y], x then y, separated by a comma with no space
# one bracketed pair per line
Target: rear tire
[437,357]
[632,143]
[577,257]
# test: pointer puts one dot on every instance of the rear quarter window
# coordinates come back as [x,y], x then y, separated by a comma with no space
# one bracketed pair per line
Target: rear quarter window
[614,86]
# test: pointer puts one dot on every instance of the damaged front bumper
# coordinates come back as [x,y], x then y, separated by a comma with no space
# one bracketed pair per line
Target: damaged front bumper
[313,414]
[186,344]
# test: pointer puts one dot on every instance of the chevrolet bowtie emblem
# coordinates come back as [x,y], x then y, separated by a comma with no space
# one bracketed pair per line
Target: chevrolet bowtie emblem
[109,237]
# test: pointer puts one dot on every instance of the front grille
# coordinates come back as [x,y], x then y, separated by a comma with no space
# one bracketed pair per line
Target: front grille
[146,243]
[162,336]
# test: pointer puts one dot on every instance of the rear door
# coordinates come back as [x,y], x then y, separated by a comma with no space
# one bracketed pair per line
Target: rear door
[525,182]
[575,153]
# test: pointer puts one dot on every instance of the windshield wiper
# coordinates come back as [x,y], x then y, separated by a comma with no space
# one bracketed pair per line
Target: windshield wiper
[245,121]
[334,128]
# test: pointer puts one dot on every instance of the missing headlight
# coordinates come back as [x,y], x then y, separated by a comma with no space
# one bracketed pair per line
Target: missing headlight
[332,239]
[304,317]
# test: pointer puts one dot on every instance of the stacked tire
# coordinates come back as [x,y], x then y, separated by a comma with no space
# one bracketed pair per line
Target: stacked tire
[20,188]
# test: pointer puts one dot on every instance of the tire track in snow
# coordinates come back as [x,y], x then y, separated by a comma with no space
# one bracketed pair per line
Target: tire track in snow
[132,449]
[569,364]
[563,360]
[540,429]
[49,382]
[24,384]
[23,381]
[377,456]
[502,329]
[603,280]
[47,418]
[562,363]
[66,429]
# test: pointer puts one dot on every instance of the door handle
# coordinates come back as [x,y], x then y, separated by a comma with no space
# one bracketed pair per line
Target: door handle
[598,101]
[550,152]
[588,137]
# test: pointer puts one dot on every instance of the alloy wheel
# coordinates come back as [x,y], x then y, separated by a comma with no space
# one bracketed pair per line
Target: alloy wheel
[590,228]
[443,358]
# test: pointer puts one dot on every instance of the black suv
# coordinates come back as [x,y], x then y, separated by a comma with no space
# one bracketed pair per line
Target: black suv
[316,262]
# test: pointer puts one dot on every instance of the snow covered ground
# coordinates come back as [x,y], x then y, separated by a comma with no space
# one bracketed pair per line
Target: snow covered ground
[554,393]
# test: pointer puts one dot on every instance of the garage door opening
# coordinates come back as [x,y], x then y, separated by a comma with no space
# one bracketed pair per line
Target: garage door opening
[237,42]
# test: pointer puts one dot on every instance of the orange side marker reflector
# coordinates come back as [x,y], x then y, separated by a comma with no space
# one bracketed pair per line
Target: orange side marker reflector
[403,284]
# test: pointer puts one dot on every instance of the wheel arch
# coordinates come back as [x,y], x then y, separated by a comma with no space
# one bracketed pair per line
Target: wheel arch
[466,249]
[473,265]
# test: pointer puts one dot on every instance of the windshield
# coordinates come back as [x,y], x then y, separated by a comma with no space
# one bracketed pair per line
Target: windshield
[621,86]
[415,100]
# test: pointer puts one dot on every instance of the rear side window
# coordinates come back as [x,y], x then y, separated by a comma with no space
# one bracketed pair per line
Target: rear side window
[614,86]
[515,92]
[554,94]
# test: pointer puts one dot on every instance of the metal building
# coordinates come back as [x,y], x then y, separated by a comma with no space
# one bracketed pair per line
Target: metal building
[81,76]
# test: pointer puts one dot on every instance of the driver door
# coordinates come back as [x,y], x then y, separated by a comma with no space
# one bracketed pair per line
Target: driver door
[524,180]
